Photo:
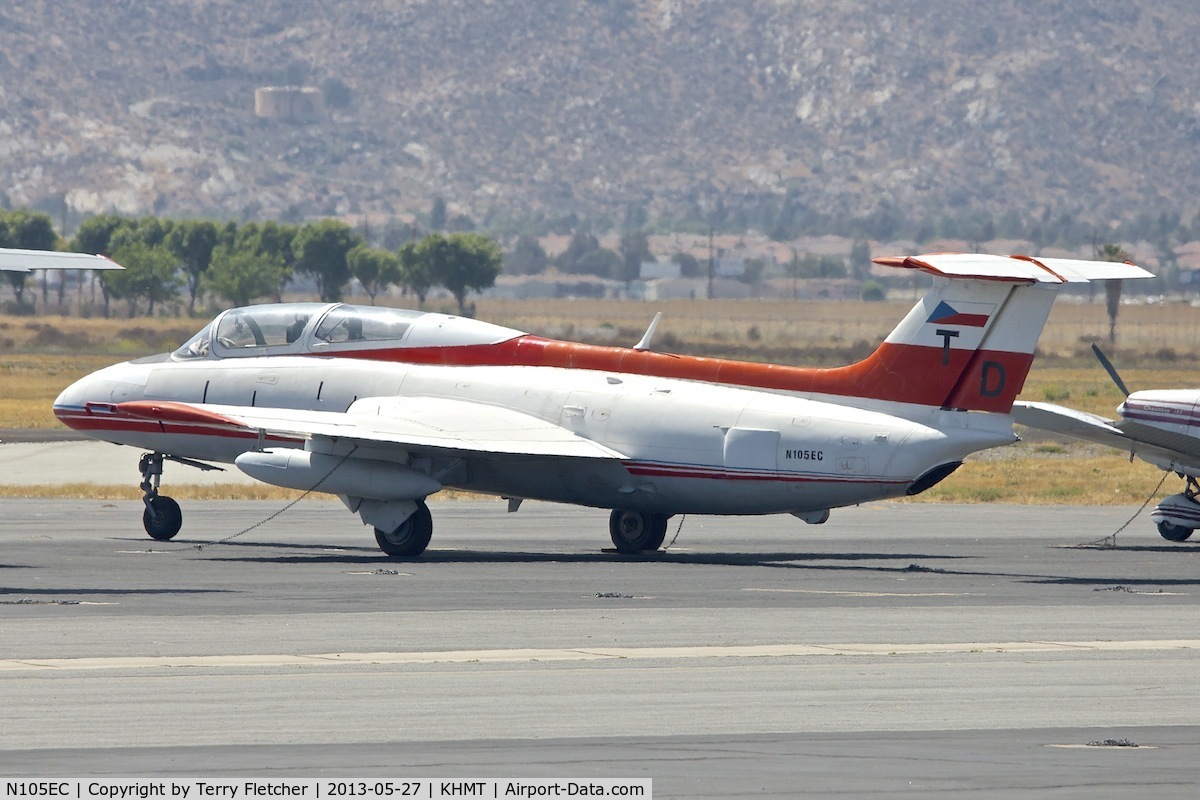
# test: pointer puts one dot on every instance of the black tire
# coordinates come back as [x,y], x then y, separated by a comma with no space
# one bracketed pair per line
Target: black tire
[162,519]
[636,531]
[411,538]
[1172,532]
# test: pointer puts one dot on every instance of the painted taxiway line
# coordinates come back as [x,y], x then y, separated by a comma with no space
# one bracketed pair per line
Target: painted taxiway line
[531,655]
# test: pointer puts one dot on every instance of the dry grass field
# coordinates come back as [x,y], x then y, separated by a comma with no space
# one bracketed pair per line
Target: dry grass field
[1155,348]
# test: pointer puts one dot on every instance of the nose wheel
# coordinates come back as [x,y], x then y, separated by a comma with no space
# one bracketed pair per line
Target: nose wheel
[162,518]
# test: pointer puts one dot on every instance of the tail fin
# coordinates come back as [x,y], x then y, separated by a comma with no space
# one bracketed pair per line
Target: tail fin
[969,343]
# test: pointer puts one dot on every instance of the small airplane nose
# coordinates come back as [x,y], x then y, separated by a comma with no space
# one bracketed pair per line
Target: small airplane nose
[98,393]
[72,402]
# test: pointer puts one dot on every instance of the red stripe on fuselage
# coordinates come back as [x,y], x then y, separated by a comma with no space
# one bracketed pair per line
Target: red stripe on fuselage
[903,373]
[659,470]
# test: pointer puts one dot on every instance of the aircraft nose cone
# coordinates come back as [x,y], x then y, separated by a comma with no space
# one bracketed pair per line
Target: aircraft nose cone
[77,405]
[71,403]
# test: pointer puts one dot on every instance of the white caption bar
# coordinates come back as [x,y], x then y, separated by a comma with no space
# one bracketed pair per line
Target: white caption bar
[493,788]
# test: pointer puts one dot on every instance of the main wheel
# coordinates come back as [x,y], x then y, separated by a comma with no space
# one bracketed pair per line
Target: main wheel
[1172,532]
[635,531]
[411,538]
[162,519]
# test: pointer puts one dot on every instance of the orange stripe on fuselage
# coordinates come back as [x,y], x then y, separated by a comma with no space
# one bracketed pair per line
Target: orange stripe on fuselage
[903,373]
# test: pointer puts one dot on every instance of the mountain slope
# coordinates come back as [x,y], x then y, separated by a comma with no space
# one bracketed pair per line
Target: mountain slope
[145,106]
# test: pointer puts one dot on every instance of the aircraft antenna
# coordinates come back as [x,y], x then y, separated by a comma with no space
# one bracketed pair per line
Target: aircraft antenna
[648,336]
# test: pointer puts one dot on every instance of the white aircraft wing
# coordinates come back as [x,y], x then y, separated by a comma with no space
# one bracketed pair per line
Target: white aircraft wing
[13,260]
[422,424]
[1160,447]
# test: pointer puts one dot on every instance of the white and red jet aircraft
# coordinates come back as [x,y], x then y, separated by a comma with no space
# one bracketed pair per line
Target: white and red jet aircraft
[384,407]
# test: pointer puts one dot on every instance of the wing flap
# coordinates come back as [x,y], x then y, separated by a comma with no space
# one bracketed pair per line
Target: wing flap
[1179,443]
[416,424]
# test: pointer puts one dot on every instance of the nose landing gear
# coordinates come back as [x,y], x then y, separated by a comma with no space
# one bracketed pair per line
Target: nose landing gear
[162,518]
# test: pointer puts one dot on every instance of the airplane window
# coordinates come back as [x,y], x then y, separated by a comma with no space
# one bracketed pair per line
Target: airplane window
[265,326]
[365,324]
[197,346]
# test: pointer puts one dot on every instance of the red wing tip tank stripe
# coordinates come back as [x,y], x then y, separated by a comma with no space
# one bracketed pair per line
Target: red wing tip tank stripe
[166,411]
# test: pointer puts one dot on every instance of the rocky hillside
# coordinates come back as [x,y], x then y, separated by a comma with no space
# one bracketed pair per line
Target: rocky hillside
[511,106]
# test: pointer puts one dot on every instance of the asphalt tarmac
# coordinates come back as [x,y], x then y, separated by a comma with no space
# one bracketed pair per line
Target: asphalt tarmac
[898,650]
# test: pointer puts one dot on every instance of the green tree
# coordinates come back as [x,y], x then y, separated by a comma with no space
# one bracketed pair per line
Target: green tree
[32,230]
[417,260]
[27,230]
[94,234]
[321,249]
[375,269]
[461,262]
[192,242]
[585,256]
[689,265]
[150,230]
[527,257]
[473,263]
[582,245]
[635,250]
[269,239]
[753,270]
[1112,289]
[150,274]
[860,259]
[794,269]
[15,279]
[437,214]
[241,276]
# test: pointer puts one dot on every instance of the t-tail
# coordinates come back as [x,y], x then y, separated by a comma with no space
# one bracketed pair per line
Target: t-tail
[969,343]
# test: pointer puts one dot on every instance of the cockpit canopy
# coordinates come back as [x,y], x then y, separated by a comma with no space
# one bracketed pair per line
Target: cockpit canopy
[312,328]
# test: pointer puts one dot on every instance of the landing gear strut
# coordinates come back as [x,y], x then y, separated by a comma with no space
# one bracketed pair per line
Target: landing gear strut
[162,518]
[635,531]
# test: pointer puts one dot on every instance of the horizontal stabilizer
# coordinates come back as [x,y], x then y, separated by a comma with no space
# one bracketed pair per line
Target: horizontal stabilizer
[1020,269]
[13,260]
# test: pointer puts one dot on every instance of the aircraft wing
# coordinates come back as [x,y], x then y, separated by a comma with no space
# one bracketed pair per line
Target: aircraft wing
[430,425]
[14,260]
[1175,451]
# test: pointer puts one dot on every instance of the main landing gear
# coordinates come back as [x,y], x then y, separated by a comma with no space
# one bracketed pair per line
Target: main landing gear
[411,537]
[1179,515]
[636,531]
